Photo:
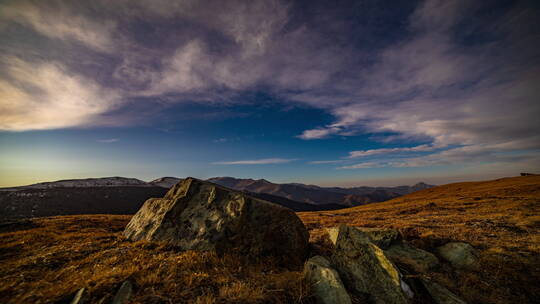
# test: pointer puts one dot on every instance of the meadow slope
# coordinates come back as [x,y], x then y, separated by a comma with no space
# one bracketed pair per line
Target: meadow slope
[47,260]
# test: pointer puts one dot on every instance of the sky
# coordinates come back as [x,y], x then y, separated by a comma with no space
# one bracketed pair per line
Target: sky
[334,93]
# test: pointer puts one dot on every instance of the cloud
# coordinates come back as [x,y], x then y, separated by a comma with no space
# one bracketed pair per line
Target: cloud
[108,140]
[59,21]
[318,162]
[433,87]
[47,96]
[264,161]
[364,165]
[363,153]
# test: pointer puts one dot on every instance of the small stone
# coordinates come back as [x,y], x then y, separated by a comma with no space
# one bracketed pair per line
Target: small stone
[124,293]
[460,255]
[325,282]
[440,294]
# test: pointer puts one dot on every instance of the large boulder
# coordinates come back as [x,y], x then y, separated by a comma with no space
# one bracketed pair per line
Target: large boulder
[412,258]
[460,255]
[199,215]
[365,269]
[324,281]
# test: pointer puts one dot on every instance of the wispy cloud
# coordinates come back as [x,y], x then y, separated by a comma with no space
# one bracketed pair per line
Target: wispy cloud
[364,165]
[319,133]
[317,162]
[264,161]
[47,96]
[108,140]
[59,21]
[363,153]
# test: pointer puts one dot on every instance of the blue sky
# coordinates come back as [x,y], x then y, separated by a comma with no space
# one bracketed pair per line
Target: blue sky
[331,93]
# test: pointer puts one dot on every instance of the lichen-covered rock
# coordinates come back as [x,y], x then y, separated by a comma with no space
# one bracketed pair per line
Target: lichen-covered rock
[199,215]
[460,255]
[441,295]
[382,237]
[325,283]
[365,269]
[412,258]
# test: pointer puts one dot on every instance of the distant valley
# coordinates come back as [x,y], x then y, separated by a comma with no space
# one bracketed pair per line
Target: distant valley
[121,195]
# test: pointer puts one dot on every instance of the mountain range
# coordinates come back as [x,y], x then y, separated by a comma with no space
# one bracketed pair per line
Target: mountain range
[319,195]
[121,195]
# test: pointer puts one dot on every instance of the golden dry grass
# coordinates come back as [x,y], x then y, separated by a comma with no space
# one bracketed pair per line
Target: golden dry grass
[51,258]
[46,260]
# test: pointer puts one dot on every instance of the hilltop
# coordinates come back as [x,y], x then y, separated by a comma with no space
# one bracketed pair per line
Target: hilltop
[49,259]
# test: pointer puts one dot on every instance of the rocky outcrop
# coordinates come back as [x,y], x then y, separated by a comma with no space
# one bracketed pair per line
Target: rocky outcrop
[460,255]
[324,281]
[365,269]
[412,258]
[199,215]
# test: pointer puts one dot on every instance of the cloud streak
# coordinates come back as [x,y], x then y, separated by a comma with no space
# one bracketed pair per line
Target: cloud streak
[264,161]
[364,153]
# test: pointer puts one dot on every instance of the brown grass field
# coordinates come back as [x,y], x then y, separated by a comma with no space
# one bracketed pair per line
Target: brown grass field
[46,260]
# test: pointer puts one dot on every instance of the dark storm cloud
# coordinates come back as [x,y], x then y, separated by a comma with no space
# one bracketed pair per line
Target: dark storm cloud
[460,76]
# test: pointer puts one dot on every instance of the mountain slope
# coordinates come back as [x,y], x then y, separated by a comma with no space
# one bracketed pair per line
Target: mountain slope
[115,181]
[28,203]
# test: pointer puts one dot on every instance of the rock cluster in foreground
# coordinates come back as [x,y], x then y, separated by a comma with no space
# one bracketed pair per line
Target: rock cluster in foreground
[363,266]
[199,215]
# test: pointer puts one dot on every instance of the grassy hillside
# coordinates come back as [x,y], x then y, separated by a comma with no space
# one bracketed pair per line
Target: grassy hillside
[47,260]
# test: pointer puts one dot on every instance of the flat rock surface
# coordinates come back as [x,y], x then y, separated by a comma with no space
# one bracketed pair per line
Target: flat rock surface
[412,258]
[325,282]
[365,269]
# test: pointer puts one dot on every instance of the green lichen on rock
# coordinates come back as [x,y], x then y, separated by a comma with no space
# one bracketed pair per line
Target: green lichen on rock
[460,255]
[199,215]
